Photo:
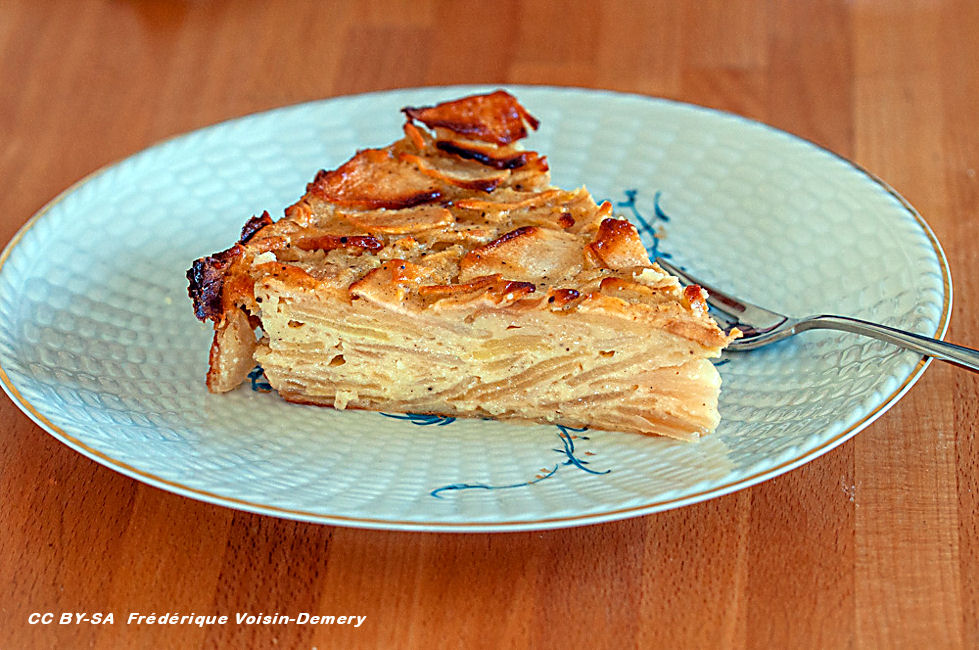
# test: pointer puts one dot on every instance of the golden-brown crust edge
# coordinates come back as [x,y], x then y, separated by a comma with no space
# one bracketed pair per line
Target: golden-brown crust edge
[211,279]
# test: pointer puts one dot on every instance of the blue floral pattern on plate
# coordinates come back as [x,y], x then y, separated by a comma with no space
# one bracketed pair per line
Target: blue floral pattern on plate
[566,434]
[643,223]
[422,419]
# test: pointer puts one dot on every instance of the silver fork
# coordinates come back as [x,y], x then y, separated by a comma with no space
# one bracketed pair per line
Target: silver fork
[762,326]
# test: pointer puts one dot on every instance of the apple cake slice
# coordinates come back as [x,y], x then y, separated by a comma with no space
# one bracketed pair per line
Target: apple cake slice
[444,274]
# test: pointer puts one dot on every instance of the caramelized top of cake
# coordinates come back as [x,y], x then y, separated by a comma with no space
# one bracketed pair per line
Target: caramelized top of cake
[454,216]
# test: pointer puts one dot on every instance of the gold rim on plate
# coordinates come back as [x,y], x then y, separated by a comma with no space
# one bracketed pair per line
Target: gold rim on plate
[501,526]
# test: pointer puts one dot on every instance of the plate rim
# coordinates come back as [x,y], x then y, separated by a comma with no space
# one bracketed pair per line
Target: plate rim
[513,525]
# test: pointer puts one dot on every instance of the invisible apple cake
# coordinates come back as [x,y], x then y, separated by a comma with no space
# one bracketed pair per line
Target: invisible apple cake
[444,274]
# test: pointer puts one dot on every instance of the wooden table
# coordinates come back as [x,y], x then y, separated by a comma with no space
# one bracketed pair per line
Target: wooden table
[875,544]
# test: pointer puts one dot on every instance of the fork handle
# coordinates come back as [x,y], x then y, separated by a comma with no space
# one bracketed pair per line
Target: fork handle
[957,354]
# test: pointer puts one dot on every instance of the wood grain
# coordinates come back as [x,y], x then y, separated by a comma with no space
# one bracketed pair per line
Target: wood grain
[872,545]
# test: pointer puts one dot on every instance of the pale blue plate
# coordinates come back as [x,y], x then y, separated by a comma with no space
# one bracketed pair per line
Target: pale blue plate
[99,346]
